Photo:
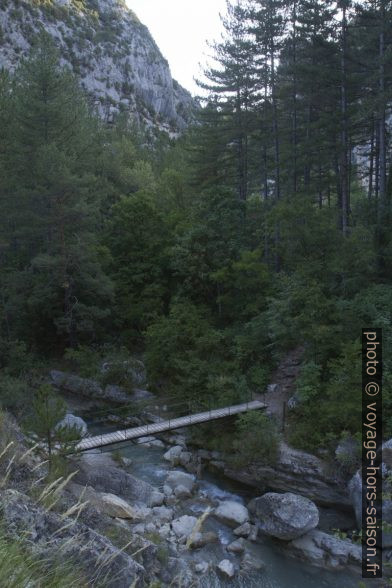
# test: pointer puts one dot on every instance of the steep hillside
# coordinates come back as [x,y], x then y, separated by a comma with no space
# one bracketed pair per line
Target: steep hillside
[112,52]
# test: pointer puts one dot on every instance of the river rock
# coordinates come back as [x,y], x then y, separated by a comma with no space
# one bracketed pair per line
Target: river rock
[178,478]
[150,442]
[285,516]
[254,531]
[201,567]
[156,498]
[163,514]
[325,550]
[73,422]
[177,439]
[232,513]
[299,472]
[165,531]
[185,458]
[167,490]
[247,530]
[202,539]
[237,546]
[243,531]
[250,563]
[184,526]
[116,507]
[172,455]
[151,528]
[139,529]
[226,568]
[182,492]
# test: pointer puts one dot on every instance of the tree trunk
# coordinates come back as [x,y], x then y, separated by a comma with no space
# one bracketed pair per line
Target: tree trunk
[344,165]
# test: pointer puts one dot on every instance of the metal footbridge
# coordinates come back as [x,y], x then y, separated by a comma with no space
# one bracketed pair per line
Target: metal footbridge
[166,425]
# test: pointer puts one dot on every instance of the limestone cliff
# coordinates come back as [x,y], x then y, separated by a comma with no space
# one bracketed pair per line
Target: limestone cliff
[110,50]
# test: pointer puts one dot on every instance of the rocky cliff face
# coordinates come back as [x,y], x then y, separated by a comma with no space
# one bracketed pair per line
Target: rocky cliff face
[111,51]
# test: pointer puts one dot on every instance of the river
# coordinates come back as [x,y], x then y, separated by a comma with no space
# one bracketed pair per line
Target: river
[280,571]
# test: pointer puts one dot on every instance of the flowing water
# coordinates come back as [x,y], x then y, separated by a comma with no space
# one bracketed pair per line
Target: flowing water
[280,571]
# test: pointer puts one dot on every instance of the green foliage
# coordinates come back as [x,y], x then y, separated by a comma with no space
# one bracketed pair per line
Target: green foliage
[85,359]
[253,235]
[47,410]
[309,382]
[183,351]
[257,439]
[138,240]
[55,286]
[15,394]
[106,364]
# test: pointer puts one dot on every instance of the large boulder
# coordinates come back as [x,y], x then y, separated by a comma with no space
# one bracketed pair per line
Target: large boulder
[232,513]
[178,478]
[74,423]
[101,472]
[322,549]
[285,516]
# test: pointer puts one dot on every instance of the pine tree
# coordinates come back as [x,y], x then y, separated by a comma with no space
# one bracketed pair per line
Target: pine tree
[53,203]
[232,81]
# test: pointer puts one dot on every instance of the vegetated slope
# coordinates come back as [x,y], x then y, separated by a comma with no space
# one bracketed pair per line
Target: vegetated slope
[111,51]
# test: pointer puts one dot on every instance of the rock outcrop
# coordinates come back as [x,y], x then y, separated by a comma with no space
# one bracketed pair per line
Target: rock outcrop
[88,388]
[326,551]
[355,491]
[299,472]
[50,534]
[101,472]
[111,51]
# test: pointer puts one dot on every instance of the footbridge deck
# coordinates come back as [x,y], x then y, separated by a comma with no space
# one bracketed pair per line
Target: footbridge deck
[166,425]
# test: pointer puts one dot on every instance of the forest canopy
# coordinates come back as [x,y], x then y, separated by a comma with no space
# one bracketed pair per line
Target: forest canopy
[264,228]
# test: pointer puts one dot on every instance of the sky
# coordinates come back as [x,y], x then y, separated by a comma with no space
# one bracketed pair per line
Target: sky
[181,29]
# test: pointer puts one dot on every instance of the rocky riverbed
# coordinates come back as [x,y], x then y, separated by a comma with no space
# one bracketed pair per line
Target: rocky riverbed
[213,531]
[153,512]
